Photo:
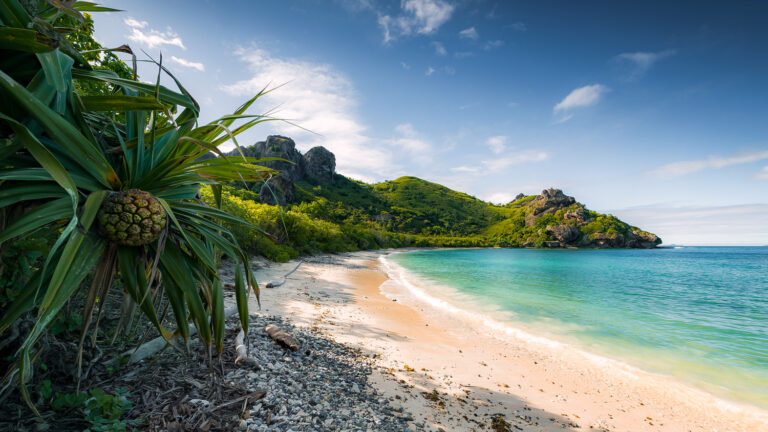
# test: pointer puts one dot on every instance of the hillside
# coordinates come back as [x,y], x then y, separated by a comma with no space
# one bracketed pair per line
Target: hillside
[409,211]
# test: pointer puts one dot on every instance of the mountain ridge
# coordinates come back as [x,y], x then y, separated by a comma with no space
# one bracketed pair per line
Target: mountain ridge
[415,207]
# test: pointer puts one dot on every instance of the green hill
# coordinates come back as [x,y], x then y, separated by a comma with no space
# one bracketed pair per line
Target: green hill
[321,211]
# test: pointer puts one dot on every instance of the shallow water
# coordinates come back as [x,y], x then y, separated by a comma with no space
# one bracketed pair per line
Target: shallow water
[697,313]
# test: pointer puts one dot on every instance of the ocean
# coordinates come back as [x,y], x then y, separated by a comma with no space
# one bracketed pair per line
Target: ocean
[698,314]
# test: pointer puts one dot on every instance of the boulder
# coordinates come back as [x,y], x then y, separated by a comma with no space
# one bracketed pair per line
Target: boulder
[519,196]
[319,164]
[276,146]
[564,233]
[277,191]
[550,201]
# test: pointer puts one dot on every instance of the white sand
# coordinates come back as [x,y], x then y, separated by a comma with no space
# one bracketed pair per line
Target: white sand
[535,385]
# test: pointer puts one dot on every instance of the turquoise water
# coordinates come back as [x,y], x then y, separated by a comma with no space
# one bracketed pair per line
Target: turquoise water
[697,313]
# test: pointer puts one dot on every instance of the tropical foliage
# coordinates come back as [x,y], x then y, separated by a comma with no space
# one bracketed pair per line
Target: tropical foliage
[73,135]
[346,215]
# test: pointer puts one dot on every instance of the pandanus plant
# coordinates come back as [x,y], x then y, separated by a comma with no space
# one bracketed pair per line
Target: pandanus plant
[117,176]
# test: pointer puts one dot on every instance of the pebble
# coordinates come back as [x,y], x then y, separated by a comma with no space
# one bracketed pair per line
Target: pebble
[318,392]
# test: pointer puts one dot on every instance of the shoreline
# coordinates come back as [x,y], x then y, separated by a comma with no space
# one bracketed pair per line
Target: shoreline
[456,376]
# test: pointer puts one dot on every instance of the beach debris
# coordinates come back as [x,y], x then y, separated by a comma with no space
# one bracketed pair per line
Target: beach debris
[278,282]
[242,352]
[282,337]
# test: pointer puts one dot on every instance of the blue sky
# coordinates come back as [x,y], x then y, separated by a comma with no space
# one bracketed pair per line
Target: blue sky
[653,111]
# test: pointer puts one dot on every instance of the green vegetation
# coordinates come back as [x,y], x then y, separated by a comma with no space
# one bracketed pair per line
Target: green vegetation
[346,215]
[79,133]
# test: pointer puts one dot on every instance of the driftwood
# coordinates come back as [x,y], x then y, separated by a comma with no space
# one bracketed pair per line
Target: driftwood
[278,282]
[242,355]
[282,337]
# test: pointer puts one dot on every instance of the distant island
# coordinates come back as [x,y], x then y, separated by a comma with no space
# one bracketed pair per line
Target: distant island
[323,211]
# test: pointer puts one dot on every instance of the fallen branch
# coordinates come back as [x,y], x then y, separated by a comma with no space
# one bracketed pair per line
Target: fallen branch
[277,283]
[282,337]
[242,355]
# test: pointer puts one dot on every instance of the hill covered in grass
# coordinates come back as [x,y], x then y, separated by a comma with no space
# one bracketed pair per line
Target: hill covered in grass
[322,211]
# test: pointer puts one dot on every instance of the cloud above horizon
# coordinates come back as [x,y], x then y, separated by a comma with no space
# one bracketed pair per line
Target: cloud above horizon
[582,97]
[190,64]
[319,98]
[501,163]
[152,38]
[701,225]
[413,143]
[638,63]
[469,33]
[417,16]
[497,143]
[762,174]
[681,168]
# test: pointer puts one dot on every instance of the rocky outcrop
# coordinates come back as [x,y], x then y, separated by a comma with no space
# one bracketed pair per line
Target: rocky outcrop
[277,191]
[317,165]
[564,233]
[574,226]
[276,146]
[320,164]
[550,201]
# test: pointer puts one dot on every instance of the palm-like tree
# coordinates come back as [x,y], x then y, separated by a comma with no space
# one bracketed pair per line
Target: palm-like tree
[63,153]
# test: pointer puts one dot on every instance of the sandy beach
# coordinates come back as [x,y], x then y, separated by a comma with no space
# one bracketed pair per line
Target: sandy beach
[453,375]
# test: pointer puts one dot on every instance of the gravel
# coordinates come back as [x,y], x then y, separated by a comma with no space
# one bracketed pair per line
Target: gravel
[321,387]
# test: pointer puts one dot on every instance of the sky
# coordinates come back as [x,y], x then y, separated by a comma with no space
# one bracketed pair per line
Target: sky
[653,111]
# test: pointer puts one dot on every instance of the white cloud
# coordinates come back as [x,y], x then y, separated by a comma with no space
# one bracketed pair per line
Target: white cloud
[640,62]
[582,97]
[189,64]
[681,168]
[405,65]
[462,54]
[493,44]
[502,163]
[469,33]
[130,22]
[410,141]
[518,26]
[564,119]
[154,38]
[430,70]
[429,15]
[762,174]
[497,143]
[465,169]
[439,48]
[418,16]
[321,99]
[500,197]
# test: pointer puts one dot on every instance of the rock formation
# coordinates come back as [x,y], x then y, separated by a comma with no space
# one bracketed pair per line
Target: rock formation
[317,165]
[320,164]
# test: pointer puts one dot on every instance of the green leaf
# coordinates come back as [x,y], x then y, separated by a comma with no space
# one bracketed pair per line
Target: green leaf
[241,297]
[19,39]
[120,103]
[37,217]
[217,315]
[13,14]
[61,131]
[165,95]
[22,192]
[84,6]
